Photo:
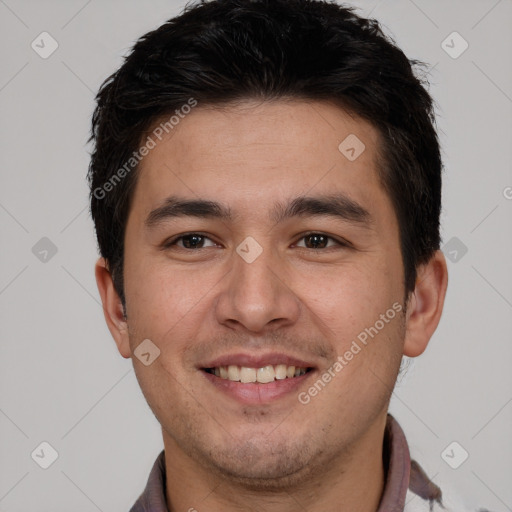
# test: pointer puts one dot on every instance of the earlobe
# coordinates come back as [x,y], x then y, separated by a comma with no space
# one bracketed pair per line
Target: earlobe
[426,304]
[112,308]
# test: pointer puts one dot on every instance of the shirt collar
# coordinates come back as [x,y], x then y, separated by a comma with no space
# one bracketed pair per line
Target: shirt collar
[397,463]
[153,498]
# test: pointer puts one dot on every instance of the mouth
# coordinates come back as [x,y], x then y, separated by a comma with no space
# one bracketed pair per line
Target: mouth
[257,379]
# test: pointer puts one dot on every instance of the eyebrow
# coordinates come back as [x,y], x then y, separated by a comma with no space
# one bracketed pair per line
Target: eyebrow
[178,207]
[335,205]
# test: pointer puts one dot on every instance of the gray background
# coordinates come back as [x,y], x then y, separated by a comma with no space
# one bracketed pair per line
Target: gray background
[62,380]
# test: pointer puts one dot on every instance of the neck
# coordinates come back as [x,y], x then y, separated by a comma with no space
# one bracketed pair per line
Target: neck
[353,480]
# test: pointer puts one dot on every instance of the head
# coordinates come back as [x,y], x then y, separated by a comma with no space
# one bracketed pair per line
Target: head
[293,147]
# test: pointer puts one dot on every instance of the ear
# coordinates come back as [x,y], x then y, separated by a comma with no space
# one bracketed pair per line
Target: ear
[112,308]
[425,304]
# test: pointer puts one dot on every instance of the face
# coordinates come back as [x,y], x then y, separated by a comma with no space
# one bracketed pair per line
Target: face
[292,265]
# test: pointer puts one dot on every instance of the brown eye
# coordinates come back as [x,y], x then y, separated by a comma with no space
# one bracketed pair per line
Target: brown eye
[190,241]
[318,241]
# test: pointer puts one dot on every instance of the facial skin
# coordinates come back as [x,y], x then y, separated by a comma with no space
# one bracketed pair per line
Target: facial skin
[196,305]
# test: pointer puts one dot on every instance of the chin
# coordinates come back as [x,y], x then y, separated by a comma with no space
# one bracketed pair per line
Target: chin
[263,468]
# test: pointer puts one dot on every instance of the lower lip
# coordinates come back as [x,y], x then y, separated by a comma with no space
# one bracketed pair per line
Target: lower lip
[256,393]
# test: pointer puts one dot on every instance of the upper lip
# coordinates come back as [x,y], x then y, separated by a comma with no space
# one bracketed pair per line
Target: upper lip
[257,360]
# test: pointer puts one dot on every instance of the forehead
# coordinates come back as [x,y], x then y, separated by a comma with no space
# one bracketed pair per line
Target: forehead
[251,154]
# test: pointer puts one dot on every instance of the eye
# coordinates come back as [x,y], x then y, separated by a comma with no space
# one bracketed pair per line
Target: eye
[312,240]
[190,241]
[320,241]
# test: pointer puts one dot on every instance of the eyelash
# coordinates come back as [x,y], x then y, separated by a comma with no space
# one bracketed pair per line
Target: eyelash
[169,243]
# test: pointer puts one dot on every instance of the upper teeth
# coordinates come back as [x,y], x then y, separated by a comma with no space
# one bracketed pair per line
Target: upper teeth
[262,375]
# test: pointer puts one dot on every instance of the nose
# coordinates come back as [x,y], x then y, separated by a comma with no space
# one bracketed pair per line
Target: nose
[257,296]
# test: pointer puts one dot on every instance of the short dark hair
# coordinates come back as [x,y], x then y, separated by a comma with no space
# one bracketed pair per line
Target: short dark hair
[222,51]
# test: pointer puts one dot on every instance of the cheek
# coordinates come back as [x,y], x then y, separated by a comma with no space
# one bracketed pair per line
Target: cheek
[164,390]
[169,306]
[347,299]
[159,295]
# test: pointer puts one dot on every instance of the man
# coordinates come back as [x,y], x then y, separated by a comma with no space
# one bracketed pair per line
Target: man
[265,185]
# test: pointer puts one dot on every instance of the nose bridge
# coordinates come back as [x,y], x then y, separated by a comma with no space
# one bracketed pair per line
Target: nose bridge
[255,293]
[256,274]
